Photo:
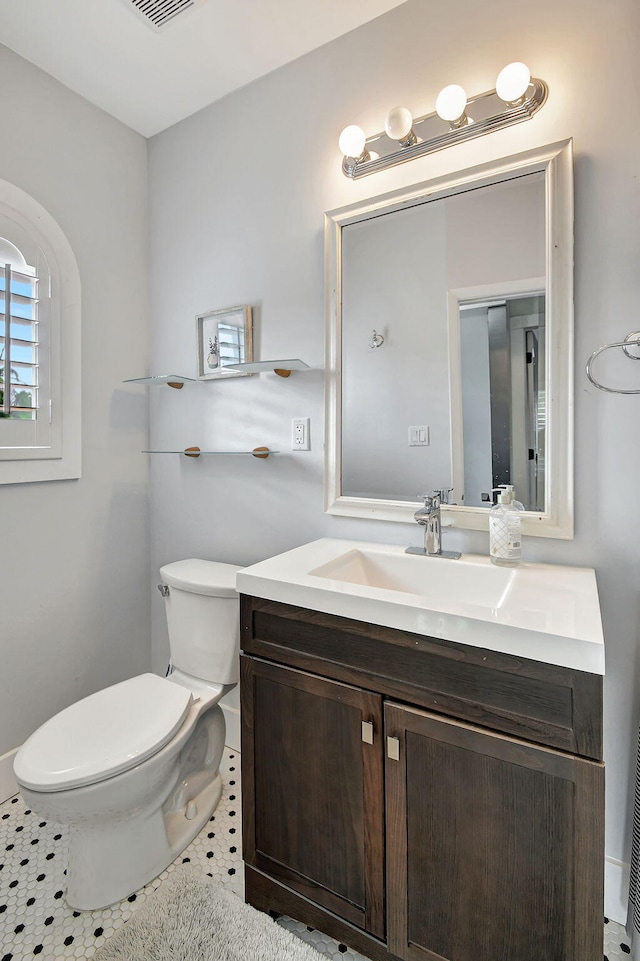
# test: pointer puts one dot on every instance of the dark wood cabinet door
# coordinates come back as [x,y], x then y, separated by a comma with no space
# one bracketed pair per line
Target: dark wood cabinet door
[313,786]
[494,846]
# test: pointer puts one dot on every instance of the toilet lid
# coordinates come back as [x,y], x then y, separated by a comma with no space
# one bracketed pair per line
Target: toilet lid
[201,577]
[103,734]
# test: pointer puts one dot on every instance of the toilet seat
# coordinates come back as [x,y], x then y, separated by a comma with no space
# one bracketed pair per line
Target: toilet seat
[103,735]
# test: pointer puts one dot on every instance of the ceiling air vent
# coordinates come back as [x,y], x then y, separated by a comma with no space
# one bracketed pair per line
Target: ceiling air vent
[159,13]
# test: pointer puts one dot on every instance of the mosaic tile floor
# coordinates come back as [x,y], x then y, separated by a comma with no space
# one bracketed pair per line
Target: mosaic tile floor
[616,942]
[36,921]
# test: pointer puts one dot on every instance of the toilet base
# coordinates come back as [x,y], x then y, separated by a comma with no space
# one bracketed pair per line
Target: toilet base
[108,865]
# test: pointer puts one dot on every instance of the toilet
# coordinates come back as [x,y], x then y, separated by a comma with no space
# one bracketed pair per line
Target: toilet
[133,769]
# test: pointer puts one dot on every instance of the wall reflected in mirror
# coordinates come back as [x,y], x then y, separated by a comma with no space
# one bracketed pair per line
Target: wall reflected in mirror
[455,286]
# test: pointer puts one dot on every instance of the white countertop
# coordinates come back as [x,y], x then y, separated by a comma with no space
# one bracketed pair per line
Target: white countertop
[544,612]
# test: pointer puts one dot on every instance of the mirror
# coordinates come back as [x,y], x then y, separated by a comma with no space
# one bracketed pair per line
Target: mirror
[449,346]
[224,337]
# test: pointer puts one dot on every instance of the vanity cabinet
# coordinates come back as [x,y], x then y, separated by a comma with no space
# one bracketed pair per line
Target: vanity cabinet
[314,811]
[417,798]
[490,845]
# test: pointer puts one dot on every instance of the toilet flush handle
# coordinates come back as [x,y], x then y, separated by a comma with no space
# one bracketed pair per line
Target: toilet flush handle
[164,590]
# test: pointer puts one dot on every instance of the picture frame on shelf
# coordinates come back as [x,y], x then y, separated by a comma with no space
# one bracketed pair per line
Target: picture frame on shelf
[224,336]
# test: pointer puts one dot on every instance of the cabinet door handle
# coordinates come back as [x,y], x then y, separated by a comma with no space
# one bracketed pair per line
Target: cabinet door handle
[393,748]
[367,732]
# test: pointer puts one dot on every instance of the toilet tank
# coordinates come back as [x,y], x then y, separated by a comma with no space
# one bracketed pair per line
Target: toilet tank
[203,617]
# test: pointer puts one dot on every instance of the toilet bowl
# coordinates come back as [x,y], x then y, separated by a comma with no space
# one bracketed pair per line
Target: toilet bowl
[133,770]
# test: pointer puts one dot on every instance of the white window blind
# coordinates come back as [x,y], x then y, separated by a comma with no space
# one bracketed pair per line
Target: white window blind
[18,334]
[231,344]
[26,429]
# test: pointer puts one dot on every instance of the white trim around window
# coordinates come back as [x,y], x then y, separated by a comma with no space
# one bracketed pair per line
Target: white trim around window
[53,451]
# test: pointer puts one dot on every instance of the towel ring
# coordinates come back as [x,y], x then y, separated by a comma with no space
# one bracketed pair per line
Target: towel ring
[631,340]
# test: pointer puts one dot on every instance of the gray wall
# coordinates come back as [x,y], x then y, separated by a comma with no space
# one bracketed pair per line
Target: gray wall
[74,588]
[237,194]
[394,279]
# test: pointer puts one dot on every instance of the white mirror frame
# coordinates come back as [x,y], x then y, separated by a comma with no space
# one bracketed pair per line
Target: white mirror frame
[556,160]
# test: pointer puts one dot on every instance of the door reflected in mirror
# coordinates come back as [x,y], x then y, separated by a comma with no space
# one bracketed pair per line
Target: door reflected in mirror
[502,346]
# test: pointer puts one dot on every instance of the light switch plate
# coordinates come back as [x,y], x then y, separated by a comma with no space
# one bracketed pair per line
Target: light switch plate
[419,436]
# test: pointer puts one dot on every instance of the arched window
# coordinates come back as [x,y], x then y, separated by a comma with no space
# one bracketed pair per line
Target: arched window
[39,337]
[24,316]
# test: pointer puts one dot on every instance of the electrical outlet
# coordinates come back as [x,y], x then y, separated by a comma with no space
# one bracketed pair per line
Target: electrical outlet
[300,434]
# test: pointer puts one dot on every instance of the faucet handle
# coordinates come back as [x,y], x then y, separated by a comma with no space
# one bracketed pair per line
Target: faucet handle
[431,504]
[423,513]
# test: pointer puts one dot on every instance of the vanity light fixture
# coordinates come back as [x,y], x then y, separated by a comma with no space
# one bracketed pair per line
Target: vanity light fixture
[352,144]
[513,82]
[399,126]
[517,97]
[451,105]
[352,141]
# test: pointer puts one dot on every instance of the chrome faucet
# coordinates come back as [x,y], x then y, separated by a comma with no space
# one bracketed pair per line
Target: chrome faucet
[429,516]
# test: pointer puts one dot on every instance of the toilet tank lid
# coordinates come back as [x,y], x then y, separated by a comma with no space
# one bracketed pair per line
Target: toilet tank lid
[103,734]
[201,577]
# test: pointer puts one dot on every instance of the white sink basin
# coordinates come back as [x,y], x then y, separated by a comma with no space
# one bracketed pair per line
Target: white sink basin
[543,612]
[434,578]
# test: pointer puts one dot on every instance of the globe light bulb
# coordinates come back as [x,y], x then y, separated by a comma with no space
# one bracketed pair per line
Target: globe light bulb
[398,123]
[352,141]
[512,82]
[451,103]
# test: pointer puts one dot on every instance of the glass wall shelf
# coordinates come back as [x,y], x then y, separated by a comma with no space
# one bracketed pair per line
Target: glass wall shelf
[282,368]
[171,380]
[260,452]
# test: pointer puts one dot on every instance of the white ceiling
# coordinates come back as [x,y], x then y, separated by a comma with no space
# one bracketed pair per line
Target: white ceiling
[151,78]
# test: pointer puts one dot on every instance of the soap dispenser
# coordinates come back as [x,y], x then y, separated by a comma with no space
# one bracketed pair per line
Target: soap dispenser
[505,529]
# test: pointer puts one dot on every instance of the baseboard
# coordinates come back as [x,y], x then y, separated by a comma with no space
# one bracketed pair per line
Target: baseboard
[616,890]
[8,783]
[232,720]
